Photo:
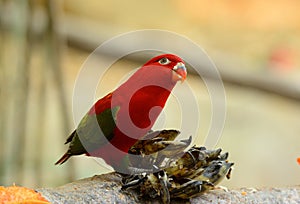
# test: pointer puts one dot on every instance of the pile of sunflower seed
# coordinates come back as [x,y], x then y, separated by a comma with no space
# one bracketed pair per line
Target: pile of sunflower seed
[160,167]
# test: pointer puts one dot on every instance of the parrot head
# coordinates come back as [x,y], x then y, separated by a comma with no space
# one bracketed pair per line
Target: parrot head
[171,62]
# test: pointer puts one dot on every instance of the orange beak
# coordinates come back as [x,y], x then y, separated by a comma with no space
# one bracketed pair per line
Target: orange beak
[179,72]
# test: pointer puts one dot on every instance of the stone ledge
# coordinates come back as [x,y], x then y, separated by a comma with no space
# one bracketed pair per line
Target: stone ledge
[106,188]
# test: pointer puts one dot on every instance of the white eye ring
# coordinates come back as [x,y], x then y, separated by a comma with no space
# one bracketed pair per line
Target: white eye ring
[164,61]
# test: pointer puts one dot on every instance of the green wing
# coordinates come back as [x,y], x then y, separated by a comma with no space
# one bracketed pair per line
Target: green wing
[93,131]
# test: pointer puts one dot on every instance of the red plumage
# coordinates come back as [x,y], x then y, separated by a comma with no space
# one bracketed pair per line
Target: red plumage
[128,113]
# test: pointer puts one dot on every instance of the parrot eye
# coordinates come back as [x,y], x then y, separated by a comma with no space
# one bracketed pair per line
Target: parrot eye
[164,61]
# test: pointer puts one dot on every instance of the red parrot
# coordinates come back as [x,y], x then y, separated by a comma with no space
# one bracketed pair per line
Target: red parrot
[116,121]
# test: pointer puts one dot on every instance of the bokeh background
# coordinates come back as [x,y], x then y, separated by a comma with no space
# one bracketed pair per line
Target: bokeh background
[255,45]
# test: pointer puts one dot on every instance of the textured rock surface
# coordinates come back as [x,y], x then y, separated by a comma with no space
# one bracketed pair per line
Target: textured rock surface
[106,189]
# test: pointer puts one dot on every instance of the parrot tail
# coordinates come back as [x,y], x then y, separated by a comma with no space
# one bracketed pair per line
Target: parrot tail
[64,158]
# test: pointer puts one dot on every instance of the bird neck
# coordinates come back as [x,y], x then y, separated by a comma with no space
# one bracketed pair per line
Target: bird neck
[142,98]
[149,82]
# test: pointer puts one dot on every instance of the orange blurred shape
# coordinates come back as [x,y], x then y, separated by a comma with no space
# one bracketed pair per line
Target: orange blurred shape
[282,59]
[17,194]
[298,160]
[244,193]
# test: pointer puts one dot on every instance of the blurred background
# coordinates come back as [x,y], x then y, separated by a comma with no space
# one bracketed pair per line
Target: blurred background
[255,45]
